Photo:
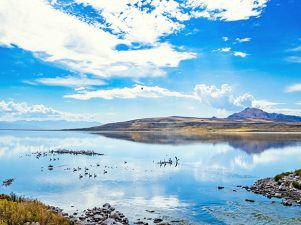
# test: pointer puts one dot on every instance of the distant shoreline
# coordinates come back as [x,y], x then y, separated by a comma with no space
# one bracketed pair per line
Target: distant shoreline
[155,131]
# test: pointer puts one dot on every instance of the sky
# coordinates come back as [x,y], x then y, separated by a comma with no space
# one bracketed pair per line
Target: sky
[106,61]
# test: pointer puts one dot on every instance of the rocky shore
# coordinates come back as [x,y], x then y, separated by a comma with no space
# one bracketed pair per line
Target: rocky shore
[107,215]
[286,186]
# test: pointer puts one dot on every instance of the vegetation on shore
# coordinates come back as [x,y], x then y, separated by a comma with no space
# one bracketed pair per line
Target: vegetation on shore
[17,210]
[280,176]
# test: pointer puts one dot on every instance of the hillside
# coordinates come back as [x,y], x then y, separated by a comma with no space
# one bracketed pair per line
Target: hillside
[249,120]
[254,113]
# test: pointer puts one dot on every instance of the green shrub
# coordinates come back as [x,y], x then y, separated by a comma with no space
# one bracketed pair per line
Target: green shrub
[298,172]
[17,210]
[296,185]
[280,176]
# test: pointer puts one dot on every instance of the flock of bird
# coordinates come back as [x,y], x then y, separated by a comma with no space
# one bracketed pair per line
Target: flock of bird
[86,172]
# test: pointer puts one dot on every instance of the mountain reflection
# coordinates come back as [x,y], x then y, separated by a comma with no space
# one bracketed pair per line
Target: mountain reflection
[251,143]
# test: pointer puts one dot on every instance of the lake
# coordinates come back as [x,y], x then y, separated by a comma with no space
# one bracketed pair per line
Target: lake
[130,178]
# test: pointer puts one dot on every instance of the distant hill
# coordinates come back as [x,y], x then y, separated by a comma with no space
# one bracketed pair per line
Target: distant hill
[45,125]
[249,120]
[254,113]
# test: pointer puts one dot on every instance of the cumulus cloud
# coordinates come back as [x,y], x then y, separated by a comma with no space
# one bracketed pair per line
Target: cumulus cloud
[88,46]
[57,37]
[223,98]
[14,111]
[129,93]
[218,97]
[226,49]
[225,39]
[242,40]
[240,54]
[294,59]
[293,88]
[68,81]
[296,49]
[229,50]
[228,10]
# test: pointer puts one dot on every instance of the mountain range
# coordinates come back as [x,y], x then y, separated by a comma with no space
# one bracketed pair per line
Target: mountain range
[254,113]
[248,120]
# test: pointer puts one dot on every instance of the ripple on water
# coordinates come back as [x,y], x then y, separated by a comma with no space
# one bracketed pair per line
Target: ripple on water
[257,213]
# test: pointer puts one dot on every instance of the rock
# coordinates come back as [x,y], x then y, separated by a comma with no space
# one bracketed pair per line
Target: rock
[108,221]
[98,217]
[277,195]
[158,220]
[115,216]
[107,205]
[150,211]
[286,203]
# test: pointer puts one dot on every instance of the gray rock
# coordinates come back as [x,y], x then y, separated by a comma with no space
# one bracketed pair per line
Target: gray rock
[108,221]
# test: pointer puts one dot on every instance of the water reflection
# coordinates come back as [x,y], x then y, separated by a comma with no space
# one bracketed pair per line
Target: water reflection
[187,191]
[249,142]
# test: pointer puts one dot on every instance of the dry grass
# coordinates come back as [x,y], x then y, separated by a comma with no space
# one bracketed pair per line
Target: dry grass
[17,211]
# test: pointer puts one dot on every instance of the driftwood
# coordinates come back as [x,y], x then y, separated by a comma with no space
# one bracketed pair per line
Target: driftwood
[169,162]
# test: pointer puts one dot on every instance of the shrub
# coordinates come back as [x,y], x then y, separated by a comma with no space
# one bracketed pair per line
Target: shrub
[15,210]
[298,172]
[280,176]
[296,185]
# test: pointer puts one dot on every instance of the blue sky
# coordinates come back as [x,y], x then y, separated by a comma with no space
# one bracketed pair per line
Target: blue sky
[88,60]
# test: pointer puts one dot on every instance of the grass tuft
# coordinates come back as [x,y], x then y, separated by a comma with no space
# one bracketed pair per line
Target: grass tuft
[280,176]
[18,210]
[296,185]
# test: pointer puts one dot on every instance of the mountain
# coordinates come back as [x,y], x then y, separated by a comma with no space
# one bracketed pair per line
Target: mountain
[45,125]
[249,120]
[254,113]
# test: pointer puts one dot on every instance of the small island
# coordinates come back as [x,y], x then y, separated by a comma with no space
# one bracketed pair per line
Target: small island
[247,121]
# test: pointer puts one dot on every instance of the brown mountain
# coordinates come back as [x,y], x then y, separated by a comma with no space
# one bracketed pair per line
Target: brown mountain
[249,120]
[254,113]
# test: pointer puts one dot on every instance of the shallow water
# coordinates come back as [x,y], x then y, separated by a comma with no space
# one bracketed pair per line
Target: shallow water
[187,192]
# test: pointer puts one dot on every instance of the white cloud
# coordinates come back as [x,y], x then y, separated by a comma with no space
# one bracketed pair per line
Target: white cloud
[69,81]
[147,21]
[240,54]
[129,93]
[293,88]
[58,37]
[63,39]
[229,50]
[226,49]
[296,49]
[14,111]
[294,59]
[225,39]
[219,98]
[223,98]
[135,21]
[228,10]
[242,40]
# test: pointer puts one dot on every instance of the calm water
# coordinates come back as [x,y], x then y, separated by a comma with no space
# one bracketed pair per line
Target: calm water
[187,192]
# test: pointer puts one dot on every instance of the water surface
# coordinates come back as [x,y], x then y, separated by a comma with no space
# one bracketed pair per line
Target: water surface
[135,182]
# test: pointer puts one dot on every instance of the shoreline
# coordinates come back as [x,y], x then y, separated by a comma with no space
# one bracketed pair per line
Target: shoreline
[35,212]
[285,186]
[167,131]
